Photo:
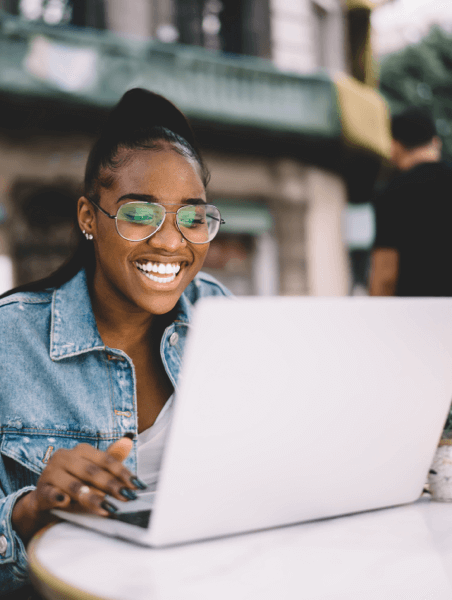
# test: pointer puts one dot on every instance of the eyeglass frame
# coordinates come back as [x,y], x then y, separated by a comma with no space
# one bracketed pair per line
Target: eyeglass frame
[115,217]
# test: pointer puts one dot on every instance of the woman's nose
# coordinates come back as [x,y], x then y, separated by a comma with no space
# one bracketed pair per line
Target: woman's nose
[168,237]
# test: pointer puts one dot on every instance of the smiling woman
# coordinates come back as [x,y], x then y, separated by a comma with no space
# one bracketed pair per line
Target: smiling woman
[173,181]
[92,353]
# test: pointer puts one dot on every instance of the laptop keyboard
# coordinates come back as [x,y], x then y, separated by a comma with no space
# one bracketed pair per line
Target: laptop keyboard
[139,518]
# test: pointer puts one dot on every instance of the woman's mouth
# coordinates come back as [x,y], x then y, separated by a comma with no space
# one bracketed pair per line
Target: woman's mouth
[159,272]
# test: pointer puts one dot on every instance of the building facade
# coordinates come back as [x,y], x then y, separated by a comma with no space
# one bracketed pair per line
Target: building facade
[289,141]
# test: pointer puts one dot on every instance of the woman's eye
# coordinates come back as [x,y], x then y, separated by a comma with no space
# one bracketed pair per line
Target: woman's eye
[186,219]
[140,219]
[191,219]
[193,222]
[138,216]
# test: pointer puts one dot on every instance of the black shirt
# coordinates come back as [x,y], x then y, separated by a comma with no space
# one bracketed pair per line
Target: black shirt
[414,216]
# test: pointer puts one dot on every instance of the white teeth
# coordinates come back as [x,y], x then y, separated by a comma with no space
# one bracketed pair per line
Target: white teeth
[160,279]
[161,268]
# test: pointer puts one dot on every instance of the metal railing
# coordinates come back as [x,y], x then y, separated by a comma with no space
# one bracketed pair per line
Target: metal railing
[97,67]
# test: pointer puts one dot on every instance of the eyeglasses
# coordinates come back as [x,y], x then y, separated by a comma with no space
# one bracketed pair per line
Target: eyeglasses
[138,221]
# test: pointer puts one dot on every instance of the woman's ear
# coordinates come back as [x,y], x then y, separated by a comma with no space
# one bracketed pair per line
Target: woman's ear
[86,216]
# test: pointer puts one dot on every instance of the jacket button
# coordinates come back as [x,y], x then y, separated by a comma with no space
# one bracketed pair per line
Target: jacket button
[174,338]
[3,545]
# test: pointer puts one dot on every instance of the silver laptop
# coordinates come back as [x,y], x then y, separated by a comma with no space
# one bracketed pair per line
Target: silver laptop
[295,409]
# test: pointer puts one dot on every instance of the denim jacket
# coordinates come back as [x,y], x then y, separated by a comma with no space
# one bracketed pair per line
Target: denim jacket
[61,386]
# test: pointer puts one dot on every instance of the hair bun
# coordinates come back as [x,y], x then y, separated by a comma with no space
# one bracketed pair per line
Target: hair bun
[140,110]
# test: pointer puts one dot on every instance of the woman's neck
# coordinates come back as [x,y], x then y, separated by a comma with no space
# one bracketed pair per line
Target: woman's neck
[120,325]
[127,337]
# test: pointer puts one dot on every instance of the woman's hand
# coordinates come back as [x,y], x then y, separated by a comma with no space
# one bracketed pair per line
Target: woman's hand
[77,479]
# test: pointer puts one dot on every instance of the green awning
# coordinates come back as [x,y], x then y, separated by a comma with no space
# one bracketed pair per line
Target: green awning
[244,217]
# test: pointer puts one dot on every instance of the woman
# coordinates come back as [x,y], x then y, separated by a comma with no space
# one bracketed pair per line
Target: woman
[93,352]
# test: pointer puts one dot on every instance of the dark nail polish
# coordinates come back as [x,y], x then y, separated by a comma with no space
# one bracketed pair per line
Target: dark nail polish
[108,507]
[138,483]
[129,435]
[129,494]
[59,497]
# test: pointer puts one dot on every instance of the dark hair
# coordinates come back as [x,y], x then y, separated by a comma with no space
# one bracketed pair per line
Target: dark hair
[413,128]
[141,120]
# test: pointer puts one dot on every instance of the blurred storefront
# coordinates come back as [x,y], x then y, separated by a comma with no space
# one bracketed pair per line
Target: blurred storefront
[289,142]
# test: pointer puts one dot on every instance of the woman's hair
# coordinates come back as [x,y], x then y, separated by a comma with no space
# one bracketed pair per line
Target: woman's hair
[141,120]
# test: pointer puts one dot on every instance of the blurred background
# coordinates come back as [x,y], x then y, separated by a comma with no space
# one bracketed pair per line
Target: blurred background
[290,101]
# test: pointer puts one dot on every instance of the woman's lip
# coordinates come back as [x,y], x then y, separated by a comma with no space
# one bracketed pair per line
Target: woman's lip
[161,259]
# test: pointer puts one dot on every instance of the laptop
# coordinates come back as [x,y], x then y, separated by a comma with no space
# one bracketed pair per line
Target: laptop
[294,409]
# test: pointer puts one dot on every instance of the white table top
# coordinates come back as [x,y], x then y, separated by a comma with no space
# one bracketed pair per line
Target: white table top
[397,553]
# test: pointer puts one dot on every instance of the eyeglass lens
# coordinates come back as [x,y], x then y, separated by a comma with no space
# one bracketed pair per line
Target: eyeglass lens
[137,221]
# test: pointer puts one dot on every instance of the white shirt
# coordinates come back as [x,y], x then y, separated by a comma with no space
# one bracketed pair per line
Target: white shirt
[150,446]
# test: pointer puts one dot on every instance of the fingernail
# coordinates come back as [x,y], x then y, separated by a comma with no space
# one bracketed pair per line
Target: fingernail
[138,483]
[129,494]
[108,507]
[129,435]
[59,497]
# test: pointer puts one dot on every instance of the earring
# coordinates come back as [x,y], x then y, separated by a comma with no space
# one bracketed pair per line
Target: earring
[89,236]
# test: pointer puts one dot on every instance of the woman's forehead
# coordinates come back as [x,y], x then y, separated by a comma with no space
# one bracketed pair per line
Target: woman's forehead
[157,172]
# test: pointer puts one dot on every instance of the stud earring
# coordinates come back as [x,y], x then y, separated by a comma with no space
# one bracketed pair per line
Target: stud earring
[89,236]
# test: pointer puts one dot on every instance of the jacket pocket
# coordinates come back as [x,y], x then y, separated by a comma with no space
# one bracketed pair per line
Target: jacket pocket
[33,451]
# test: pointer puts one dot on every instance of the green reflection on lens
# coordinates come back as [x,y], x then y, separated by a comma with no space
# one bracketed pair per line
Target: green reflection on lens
[187,217]
[143,214]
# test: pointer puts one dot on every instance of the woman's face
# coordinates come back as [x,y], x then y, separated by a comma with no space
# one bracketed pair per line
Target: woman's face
[125,271]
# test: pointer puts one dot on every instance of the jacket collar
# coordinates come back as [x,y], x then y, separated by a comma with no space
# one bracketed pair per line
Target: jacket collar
[184,308]
[73,328]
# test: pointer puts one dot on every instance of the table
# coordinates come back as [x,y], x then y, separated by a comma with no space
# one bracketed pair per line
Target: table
[397,553]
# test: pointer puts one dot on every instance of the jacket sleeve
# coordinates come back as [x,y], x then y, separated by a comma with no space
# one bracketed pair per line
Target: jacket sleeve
[205,285]
[13,556]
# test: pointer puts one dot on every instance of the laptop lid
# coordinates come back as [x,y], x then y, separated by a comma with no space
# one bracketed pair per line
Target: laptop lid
[293,409]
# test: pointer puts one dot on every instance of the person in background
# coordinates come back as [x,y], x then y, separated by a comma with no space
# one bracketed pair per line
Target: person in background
[91,355]
[412,254]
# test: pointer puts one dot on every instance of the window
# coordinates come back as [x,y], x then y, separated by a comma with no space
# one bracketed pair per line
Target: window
[234,26]
[320,34]
[360,49]
[84,13]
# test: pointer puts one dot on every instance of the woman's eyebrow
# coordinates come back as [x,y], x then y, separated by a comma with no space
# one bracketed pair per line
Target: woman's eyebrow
[142,197]
[194,201]
[151,198]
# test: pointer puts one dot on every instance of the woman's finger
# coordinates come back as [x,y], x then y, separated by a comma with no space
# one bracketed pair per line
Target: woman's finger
[121,449]
[72,493]
[83,476]
[87,463]
[61,499]
[53,496]
[96,476]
